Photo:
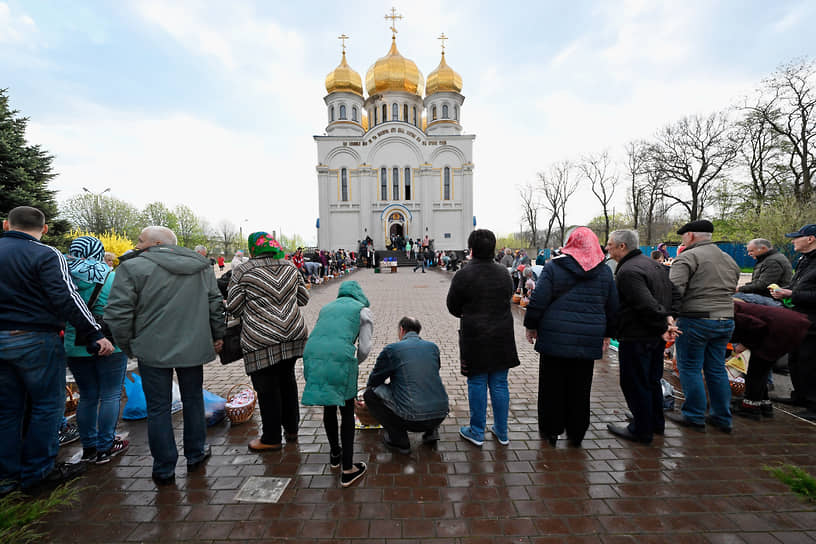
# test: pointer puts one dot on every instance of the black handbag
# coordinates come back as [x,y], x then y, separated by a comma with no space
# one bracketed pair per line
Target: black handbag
[231,350]
[81,340]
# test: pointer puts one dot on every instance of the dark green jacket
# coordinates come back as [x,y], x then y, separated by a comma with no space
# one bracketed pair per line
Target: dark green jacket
[329,359]
[164,307]
[772,267]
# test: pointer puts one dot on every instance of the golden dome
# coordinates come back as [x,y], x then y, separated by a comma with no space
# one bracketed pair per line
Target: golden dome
[343,78]
[443,79]
[394,72]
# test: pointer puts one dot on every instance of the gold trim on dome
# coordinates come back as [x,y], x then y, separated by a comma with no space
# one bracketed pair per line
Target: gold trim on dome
[344,79]
[393,72]
[443,79]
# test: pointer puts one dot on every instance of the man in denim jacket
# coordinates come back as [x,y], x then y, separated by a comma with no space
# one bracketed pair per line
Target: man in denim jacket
[414,399]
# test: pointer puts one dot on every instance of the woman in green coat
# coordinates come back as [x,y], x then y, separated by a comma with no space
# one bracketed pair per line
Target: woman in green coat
[330,368]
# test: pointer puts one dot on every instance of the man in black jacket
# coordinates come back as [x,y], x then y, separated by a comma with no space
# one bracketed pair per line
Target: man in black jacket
[648,304]
[37,295]
[802,294]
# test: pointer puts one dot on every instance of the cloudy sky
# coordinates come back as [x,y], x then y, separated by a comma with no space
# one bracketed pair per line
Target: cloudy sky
[214,104]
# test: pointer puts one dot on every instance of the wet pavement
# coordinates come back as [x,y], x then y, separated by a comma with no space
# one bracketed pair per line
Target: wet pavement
[685,487]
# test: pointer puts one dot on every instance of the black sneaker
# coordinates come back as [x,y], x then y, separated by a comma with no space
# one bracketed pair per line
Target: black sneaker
[196,464]
[68,433]
[62,472]
[164,480]
[89,454]
[749,411]
[717,425]
[119,445]
[346,479]
[681,420]
[386,438]
[431,437]
[335,458]
[766,409]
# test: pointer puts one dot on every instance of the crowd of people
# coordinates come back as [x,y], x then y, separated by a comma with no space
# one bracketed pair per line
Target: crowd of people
[162,307]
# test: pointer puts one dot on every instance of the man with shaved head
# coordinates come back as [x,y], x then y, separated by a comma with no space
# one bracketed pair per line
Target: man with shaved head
[166,311]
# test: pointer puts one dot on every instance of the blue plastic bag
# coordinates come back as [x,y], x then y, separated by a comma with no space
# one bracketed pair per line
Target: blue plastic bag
[136,407]
[213,408]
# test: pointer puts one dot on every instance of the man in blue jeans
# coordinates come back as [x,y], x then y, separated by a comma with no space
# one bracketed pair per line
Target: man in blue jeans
[707,280]
[36,298]
[165,309]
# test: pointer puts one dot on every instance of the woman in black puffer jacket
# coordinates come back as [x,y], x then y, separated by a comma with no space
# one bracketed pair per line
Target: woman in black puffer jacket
[570,319]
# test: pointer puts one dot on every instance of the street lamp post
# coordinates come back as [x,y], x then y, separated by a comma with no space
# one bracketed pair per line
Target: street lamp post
[241,233]
[98,227]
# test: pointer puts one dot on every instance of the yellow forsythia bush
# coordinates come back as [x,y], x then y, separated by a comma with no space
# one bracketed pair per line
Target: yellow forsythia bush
[113,241]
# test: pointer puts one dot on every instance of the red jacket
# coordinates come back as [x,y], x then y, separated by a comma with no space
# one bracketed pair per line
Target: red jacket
[768,331]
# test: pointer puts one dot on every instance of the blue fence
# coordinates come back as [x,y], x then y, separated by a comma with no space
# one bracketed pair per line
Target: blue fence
[736,251]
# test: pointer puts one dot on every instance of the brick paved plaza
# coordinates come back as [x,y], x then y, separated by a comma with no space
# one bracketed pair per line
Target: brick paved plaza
[686,487]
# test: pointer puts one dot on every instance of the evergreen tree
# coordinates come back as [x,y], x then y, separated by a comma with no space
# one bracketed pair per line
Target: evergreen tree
[25,170]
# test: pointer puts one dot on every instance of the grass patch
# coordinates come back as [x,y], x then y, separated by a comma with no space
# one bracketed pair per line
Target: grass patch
[799,480]
[20,515]
[746,269]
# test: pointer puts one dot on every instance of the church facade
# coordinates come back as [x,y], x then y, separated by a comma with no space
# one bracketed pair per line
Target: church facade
[394,161]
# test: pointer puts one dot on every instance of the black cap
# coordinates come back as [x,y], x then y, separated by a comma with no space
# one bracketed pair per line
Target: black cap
[701,225]
[807,230]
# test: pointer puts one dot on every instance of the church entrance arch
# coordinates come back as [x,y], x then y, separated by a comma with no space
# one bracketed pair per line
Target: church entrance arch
[396,227]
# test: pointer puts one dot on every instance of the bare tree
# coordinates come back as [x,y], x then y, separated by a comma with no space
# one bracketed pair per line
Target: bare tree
[652,187]
[762,153]
[556,188]
[530,206]
[636,161]
[598,170]
[227,232]
[787,102]
[694,152]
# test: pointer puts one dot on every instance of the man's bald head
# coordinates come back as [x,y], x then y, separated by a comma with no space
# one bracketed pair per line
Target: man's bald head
[156,236]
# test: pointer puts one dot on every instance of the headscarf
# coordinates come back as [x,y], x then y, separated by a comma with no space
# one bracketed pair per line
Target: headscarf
[261,243]
[662,249]
[583,246]
[86,260]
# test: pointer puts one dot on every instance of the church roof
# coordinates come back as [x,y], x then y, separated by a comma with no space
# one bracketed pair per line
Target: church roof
[393,72]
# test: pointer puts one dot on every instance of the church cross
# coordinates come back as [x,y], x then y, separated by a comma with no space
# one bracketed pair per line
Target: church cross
[393,18]
[343,38]
[442,37]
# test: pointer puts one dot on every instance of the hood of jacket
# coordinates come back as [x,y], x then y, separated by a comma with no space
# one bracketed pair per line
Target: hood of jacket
[571,265]
[353,290]
[175,259]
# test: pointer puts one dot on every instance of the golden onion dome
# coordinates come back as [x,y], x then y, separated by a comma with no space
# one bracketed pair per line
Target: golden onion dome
[343,78]
[443,79]
[393,72]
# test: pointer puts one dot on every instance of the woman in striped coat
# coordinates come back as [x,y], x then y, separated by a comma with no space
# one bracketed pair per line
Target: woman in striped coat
[266,294]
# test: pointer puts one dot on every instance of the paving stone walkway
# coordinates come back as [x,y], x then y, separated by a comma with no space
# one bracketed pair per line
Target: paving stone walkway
[686,487]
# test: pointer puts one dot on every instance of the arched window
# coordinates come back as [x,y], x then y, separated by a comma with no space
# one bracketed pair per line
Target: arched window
[385,113]
[395,181]
[456,112]
[405,113]
[433,113]
[331,114]
[342,111]
[415,119]
[354,114]
[446,187]
[344,185]
[444,111]
[383,184]
[394,112]
[407,184]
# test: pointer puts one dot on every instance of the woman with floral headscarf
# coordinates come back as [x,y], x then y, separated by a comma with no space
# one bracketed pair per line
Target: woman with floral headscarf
[99,379]
[266,293]
[570,318]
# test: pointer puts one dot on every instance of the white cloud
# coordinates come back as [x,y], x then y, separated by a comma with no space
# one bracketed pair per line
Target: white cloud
[16,29]
[795,15]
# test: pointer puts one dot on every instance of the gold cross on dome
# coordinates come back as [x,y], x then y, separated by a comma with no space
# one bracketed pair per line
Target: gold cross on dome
[442,37]
[343,38]
[393,18]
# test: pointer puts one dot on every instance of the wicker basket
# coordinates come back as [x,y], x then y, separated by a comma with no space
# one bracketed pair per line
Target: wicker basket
[362,413]
[516,298]
[524,302]
[71,398]
[240,414]
[737,388]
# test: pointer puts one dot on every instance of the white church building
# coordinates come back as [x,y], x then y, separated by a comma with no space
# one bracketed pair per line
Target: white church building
[395,160]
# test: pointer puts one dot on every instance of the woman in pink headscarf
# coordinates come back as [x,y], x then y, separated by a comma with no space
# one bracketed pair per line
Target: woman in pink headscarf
[570,318]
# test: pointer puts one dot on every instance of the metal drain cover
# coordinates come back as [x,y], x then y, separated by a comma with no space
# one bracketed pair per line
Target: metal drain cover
[262,489]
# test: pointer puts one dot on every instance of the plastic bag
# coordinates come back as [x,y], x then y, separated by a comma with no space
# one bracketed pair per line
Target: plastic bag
[213,408]
[668,395]
[176,402]
[136,406]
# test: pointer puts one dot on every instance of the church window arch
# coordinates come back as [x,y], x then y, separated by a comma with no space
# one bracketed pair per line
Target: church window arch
[433,113]
[395,112]
[445,111]
[385,113]
[342,111]
[395,192]
[446,185]
[407,182]
[354,113]
[415,117]
[383,183]
[344,188]
[456,112]
[331,114]
[405,112]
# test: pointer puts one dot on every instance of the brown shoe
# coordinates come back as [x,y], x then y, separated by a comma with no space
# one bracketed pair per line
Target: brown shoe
[257,445]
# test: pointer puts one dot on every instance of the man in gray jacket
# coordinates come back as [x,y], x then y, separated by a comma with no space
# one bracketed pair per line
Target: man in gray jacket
[771,268]
[165,310]
[707,280]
